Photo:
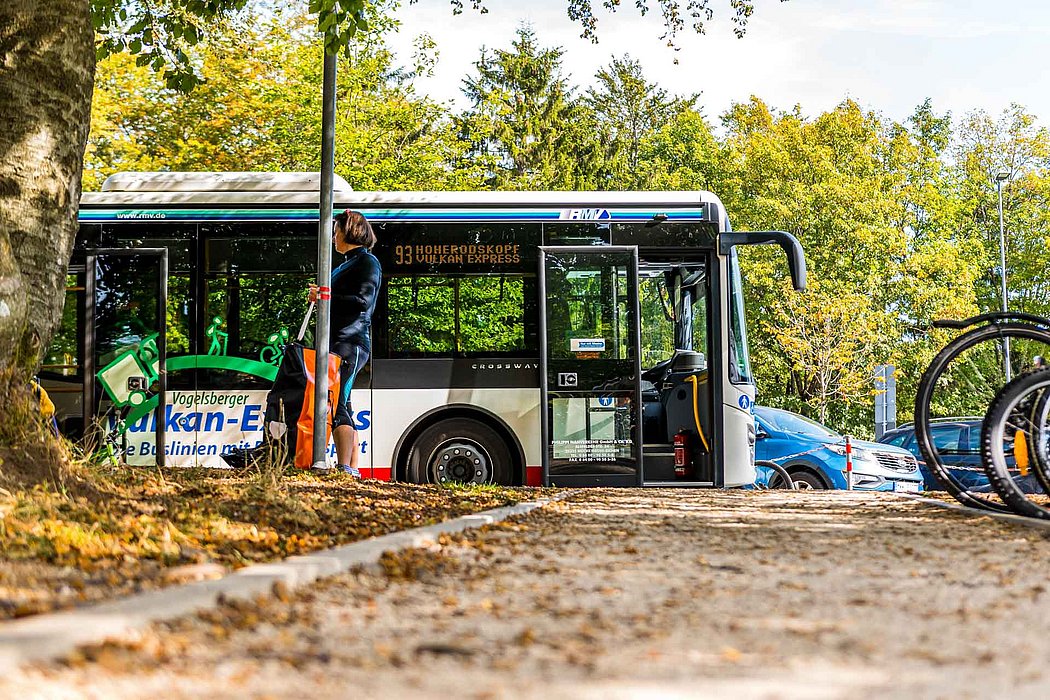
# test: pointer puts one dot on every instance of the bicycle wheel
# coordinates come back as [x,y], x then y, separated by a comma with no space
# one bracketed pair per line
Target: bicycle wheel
[956,392]
[1014,443]
[1039,449]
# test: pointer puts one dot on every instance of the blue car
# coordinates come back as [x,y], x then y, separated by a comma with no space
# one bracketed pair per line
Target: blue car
[815,456]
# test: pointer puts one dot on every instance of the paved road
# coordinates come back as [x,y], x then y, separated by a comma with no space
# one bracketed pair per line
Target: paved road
[634,594]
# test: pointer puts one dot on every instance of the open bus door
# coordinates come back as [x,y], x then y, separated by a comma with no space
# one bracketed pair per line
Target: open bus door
[590,366]
[126,295]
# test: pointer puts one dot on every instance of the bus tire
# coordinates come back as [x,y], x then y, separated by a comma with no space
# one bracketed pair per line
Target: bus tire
[460,450]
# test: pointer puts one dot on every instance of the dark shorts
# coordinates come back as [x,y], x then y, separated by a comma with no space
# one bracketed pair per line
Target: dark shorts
[354,359]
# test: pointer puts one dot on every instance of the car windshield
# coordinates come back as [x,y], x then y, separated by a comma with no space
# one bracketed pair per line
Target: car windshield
[794,423]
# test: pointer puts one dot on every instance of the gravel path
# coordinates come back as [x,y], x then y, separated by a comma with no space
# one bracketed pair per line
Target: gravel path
[627,593]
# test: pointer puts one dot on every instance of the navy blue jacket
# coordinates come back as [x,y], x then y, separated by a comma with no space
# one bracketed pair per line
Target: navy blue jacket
[355,286]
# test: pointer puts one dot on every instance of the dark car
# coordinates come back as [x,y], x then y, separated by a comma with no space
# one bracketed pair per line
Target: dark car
[958,442]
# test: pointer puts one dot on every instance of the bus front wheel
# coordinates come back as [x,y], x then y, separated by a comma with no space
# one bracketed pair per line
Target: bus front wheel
[459,450]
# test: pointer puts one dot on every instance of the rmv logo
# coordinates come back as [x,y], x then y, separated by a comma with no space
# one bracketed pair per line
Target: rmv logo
[585,214]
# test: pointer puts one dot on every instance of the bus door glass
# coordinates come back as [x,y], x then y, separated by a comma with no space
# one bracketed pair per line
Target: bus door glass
[61,373]
[591,359]
[124,378]
[676,391]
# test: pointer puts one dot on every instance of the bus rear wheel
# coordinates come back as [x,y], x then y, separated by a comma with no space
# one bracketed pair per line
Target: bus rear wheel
[459,450]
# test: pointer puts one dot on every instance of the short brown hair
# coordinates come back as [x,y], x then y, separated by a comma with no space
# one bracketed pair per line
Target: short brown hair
[356,229]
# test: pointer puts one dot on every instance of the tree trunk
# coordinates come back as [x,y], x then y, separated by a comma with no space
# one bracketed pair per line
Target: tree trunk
[47,68]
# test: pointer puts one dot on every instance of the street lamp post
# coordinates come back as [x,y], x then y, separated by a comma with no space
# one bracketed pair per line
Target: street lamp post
[1000,178]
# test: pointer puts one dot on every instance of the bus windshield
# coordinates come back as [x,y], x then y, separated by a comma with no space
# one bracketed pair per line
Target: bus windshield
[739,359]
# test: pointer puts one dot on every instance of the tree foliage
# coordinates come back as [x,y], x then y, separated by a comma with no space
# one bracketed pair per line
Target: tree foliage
[160,33]
[524,122]
[628,110]
[899,220]
[696,12]
[258,108]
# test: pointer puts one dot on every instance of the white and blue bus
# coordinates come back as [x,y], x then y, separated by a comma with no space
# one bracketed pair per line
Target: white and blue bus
[566,338]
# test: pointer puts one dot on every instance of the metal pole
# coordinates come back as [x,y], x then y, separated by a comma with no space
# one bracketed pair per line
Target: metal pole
[849,463]
[324,261]
[1002,269]
[161,438]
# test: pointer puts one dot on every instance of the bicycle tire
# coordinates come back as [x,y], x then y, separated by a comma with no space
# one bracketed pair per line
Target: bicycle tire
[1039,450]
[1033,410]
[1008,413]
[924,395]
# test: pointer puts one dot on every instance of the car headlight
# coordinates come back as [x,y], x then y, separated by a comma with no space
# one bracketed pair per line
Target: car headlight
[864,456]
[859,455]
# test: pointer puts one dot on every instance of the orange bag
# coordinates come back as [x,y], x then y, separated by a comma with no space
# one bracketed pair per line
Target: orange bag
[304,443]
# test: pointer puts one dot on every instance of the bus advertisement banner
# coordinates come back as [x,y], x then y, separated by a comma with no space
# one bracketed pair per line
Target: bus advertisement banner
[204,426]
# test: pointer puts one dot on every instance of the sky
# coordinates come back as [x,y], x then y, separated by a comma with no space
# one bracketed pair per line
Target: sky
[888,55]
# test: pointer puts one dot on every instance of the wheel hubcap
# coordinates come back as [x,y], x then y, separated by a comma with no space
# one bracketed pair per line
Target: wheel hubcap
[461,461]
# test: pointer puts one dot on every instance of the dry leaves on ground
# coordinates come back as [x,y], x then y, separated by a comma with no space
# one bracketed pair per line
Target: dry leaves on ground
[140,529]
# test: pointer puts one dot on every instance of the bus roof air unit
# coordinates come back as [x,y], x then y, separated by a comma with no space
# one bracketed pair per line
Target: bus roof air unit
[219,182]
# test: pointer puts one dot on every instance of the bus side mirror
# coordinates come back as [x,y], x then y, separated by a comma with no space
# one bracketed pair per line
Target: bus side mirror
[792,248]
[760,432]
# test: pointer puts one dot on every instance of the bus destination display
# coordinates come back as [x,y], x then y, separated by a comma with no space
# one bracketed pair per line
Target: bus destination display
[457,254]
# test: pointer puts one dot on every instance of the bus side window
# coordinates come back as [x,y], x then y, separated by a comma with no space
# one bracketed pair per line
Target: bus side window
[471,315]
[491,314]
[255,285]
[420,316]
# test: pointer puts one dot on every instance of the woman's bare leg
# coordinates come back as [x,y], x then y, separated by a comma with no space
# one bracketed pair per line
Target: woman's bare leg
[355,453]
[345,444]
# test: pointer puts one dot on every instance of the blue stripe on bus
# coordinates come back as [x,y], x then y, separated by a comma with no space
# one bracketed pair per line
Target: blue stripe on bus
[379,215]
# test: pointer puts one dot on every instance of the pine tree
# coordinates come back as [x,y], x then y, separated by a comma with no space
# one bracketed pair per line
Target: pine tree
[524,123]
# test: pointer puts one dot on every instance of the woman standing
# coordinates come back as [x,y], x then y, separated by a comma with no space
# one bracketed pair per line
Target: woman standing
[355,286]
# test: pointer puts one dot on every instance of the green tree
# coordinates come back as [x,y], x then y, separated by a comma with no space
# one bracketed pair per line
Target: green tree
[258,108]
[936,277]
[628,110]
[825,181]
[824,341]
[683,154]
[983,146]
[524,124]
[1017,145]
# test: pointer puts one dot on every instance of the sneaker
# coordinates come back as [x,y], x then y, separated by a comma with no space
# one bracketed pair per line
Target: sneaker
[352,471]
[322,468]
